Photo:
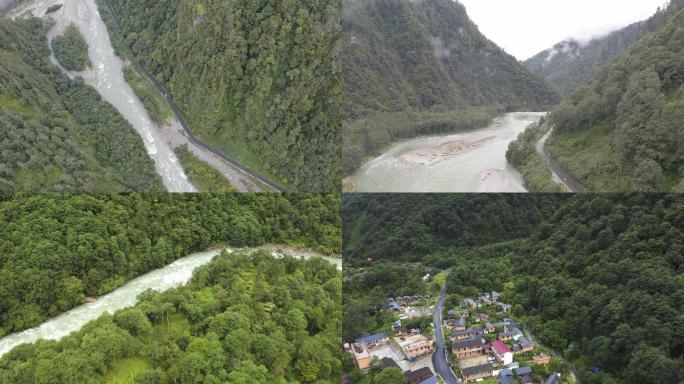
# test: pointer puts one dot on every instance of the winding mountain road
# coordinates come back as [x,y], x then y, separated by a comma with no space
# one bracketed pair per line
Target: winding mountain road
[569,182]
[439,358]
[184,124]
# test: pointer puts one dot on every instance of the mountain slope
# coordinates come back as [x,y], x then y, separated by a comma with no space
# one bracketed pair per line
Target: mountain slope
[57,134]
[402,227]
[258,80]
[623,131]
[570,63]
[415,67]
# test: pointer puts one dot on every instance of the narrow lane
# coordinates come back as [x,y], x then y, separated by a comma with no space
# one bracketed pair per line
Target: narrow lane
[439,358]
[569,182]
[181,120]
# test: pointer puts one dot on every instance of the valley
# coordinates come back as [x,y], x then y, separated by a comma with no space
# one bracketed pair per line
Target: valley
[473,161]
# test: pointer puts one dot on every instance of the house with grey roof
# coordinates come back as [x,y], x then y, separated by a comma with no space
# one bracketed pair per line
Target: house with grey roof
[373,340]
[477,372]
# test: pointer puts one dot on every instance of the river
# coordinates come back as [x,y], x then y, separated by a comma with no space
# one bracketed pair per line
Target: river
[472,161]
[106,76]
[177,273]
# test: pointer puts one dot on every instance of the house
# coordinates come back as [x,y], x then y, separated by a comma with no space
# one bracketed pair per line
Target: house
[415,345]
[489,328]
[415,377]
[361,356]
[370,341]
[525,344]
[502,325]
[505,336]
[430,380]
[459,324]
[456,324]
[523,371]
[478,372]
[541,359]
[503,353]
[481,317]
[495,295]
[515,332]
[467,334]
[504,307]
[470,303]
[506,376]
[526,380]
[467,348]
[553,379]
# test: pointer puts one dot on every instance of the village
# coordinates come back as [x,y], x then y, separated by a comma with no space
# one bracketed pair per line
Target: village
[483,344]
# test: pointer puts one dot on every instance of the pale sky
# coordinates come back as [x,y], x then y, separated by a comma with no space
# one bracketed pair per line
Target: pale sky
[526,27]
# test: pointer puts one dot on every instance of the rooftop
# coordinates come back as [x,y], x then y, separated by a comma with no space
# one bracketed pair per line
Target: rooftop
[418,373]
[365,339]
[500,347]
[477,369]
[468,343]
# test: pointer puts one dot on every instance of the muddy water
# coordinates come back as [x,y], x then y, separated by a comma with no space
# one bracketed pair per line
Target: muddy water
[473,161]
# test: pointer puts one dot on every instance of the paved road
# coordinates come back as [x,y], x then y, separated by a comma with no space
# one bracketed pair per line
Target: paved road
[439,361]
[572,185]
[184,124]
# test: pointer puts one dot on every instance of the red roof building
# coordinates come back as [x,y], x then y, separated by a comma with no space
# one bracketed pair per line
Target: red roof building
[499,347]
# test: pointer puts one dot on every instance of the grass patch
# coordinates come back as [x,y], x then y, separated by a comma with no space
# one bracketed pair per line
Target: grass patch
[16,105]
[125,371]
[201,175]
[590,157]
[239,151]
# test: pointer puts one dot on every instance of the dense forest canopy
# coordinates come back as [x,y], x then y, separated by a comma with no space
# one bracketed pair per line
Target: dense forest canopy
[404,227]
[57,134]
[414,68]
[242,319]
[572,63]
[623,130]
[600,280]
[257,79]
[71,49]
[57,249]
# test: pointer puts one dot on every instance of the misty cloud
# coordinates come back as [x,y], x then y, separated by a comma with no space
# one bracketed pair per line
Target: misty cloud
[526,27]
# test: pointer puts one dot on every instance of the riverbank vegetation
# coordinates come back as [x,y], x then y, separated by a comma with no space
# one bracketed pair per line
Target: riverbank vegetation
[598,279]
[260,81]
[59,249]
[242,319]
[71,49]
[522,154]
[622,132]
[154,104]
[57,134]
[201,175]
[416,68]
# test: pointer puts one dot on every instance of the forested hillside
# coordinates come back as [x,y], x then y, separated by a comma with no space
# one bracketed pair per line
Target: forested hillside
[242,319]
[404,227]
[623,131]
[414,68]
[600,280]
[571,63]
[55,250]
[257,79]
[57,134]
